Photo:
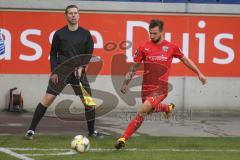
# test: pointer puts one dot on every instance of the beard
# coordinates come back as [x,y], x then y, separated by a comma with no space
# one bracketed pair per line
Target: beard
[157,40]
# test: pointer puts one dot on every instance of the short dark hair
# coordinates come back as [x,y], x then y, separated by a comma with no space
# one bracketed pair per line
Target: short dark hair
[71,6]
[156,23]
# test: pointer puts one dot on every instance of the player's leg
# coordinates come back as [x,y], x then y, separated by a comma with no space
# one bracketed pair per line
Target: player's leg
[165,108]
[150,104]
[52,91]
[39,113]
[143,110]
[159,106]
[89,110]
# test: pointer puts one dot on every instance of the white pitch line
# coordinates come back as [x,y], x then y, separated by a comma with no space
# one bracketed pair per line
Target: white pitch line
[70,151]
[39,149]
[164,150]
[14,154]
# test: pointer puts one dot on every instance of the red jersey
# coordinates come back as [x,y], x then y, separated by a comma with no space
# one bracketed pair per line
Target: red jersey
[162,54]
[157,59]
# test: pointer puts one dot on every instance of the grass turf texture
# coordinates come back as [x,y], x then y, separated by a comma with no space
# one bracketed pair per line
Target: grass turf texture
[178,148]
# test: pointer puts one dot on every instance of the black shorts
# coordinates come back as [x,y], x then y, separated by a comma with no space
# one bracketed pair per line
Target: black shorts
[56,89]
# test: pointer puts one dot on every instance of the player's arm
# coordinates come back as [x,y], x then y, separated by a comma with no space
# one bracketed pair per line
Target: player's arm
[129,76]
[89,47]
[191,65]
[53,57]
[87,55]
[138,58]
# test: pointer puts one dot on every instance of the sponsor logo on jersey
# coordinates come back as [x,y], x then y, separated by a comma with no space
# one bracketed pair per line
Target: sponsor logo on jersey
[165,48]
[157,58]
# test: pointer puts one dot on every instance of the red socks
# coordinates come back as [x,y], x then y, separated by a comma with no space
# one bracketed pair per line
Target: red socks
[161,107]
[137,121]
[133,126]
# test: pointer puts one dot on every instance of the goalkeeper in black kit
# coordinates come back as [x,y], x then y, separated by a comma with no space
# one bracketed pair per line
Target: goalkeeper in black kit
[71,50]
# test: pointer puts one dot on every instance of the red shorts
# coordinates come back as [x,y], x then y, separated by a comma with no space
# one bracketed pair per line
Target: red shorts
[154,96]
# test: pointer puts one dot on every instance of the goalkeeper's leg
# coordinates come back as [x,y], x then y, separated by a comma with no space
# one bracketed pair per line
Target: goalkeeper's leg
[89,110]
[52,91]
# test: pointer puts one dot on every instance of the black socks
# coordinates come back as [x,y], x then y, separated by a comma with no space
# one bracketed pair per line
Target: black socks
[90,117]
[38,114]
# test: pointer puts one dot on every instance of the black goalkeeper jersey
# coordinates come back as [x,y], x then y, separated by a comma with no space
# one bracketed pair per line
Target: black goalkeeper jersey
[67,44]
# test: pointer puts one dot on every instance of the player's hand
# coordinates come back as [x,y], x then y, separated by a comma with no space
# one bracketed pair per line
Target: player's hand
[78,72]
[124,88]
[202,78]
[54,78]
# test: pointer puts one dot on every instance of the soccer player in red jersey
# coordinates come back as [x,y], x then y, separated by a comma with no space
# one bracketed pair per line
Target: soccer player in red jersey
[156,55]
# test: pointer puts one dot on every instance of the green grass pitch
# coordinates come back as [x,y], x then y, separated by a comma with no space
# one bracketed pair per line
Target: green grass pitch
[48,147]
